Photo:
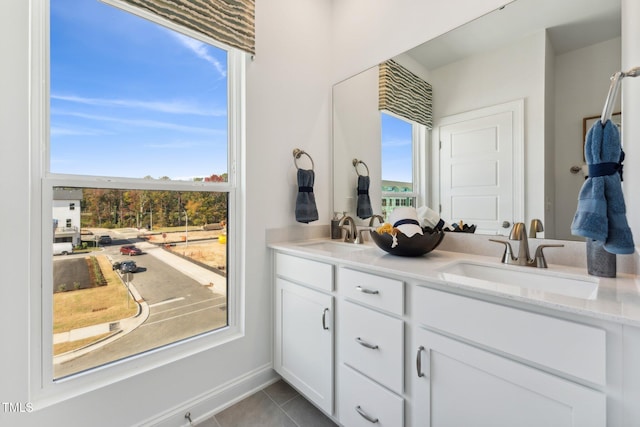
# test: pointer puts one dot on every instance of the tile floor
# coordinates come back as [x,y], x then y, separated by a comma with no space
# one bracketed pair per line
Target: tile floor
[278,405]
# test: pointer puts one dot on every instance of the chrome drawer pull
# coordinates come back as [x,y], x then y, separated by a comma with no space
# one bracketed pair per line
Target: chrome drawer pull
[324,319]
[366,344]
[419,362]
[367,291]
[366,416]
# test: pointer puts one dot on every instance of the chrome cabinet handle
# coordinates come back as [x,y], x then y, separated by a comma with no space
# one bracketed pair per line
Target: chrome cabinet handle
[366,344]
[324,319]
[366,416]
[419,362]
[367,291]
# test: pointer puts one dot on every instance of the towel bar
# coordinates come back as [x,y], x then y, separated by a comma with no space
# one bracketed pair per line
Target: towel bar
[297,153]
[616,79]
[355,165]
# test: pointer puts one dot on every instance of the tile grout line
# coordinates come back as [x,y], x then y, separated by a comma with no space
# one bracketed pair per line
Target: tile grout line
[280,407]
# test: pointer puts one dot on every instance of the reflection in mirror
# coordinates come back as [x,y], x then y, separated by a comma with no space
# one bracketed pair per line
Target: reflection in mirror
[134,270]
[557,63]
[397,144]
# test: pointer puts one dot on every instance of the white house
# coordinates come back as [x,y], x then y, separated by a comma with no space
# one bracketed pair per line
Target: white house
[66,215]
[303,48]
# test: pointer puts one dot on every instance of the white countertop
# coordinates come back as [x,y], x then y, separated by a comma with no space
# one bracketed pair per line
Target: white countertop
[617,300]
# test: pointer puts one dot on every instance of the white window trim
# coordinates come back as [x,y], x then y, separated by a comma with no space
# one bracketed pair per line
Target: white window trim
[419,158]
[43,390]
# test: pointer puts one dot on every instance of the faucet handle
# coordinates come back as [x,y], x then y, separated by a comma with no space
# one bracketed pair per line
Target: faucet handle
[541,262]
[507,256]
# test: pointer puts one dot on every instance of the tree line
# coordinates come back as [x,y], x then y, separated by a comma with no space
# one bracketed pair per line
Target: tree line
[116,208]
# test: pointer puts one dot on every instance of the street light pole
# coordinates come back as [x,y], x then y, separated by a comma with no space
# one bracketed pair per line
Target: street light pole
[186,228]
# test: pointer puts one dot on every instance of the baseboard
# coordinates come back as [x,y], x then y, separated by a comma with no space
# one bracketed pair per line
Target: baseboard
[215,400]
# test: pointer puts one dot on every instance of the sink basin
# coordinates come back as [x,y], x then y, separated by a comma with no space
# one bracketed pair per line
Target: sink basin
[333,247]
[517,280]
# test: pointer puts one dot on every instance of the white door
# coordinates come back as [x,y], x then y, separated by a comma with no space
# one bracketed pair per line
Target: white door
[455,384]
[304,341]
[481,178]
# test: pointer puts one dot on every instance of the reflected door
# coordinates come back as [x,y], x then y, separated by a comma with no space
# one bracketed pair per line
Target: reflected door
[477,185]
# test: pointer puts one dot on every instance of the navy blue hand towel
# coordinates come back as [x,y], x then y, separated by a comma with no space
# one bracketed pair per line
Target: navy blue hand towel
[306,210]
[363,205]
[601,213]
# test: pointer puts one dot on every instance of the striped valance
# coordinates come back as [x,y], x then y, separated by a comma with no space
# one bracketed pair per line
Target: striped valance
[405,94]
[231,22]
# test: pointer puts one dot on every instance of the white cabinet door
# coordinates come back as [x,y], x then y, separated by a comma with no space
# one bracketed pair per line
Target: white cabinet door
[304,341]
[455,384]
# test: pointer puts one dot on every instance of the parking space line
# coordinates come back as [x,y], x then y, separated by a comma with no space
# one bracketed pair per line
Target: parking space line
[168,301]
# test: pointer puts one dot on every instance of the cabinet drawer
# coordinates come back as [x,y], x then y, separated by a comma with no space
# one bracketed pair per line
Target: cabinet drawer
[306,271]
[372,343]
[381,292]
[565,346]
[360,398]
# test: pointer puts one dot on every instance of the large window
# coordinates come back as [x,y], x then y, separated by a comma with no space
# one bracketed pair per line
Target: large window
[399,162]
[143,130]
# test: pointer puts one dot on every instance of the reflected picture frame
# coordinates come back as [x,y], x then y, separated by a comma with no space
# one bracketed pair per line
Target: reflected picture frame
[587,122]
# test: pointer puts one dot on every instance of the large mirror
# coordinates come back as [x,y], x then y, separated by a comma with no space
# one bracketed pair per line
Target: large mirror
[539,69]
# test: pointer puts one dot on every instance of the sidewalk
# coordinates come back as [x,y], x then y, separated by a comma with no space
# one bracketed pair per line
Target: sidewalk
[199,274]
[120,327]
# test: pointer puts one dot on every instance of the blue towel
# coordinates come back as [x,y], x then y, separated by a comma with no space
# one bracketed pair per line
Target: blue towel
[601,213]
[306,210]
[363,205]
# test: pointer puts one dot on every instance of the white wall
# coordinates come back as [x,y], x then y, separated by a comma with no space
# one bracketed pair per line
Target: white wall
[365,33]
[589,67]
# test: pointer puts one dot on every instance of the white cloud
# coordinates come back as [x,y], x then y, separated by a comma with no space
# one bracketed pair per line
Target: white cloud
[145,123]
[69,131]
[201,50]
[397,142]
[172,107]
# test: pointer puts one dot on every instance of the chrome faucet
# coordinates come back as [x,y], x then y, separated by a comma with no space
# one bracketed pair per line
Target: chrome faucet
[351,232]
[535,228]
[373,219]
[363,230]
[519,233]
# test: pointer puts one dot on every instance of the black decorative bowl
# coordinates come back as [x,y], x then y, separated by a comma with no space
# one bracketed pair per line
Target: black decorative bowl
[465,229]
[415,245]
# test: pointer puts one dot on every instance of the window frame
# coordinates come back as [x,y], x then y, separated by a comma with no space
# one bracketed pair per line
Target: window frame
[419,162]
[44,390]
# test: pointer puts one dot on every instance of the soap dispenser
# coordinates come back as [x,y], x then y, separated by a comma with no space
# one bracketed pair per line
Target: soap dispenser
[336,232]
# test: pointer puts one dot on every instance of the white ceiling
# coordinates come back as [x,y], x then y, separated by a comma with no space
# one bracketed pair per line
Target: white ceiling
[571,24]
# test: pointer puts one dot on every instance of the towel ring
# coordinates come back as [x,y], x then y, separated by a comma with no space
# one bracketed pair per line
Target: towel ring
[355,165]
[297,153]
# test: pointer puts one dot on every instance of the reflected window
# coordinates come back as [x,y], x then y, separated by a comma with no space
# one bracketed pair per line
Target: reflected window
[399,185]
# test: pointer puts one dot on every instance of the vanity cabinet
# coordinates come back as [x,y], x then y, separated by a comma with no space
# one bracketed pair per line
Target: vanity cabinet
[481,361]
[303,353]
[414,353]
[370,349]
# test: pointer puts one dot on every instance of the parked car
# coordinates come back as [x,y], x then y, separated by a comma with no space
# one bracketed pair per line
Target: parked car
[62,248]
[105,240]
[128,267]
[116,265]
[130,250]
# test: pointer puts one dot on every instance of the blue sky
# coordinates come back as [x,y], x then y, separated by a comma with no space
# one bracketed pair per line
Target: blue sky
[396,149]
[131,98]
